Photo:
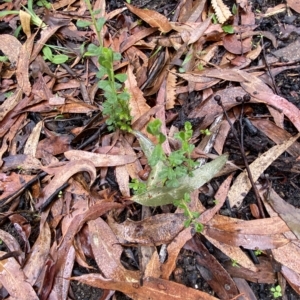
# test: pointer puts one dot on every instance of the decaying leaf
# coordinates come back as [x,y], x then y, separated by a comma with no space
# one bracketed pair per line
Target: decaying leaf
[100,160]
[222,11]
[152,288]
[155,230]
[242,184]
[14,280]
[153,18]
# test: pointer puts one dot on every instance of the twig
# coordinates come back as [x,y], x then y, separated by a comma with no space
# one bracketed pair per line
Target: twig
[246,98]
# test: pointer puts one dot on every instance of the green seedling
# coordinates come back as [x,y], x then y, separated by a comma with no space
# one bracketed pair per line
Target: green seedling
[138,186]
[276,291]
[234,9]
[116,104]
[60,194]
[205,132]
[257,252]
[3,58]
[228,29]
[234,263]
[55,59]
[178,164]
[190,216]
[44,3]
[173,176]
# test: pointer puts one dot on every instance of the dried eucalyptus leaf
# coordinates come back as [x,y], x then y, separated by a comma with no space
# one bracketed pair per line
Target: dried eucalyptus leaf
[167,195]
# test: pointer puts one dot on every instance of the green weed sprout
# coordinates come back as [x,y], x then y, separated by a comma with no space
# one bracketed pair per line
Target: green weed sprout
[276,291]
[116,104]
[34,18]
[178,164]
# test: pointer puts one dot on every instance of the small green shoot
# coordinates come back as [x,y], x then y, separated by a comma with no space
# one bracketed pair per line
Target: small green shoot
[3,58]
[213,18]
[55,59]
[190,215]
[60,194]
[228,29]
[234,9]
[234,263]
[44,3]
[205,132]
[138,186]
[257,252]
[215,201]
[116,104]
[276,291]
[200,67]
[178,164]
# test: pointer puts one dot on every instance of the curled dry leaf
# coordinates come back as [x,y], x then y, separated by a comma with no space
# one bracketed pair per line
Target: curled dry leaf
[14,280]
[153,18]
[222,11]
[32,141]
[100,160]
[63,175]
[242,185]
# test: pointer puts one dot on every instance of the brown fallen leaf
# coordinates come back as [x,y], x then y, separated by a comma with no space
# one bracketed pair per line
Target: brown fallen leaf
[292,277]
[264,273]
[14,280]
[215,275]
[248,241]
[294,4]
[62,176]
[107,252]
[153,18]
[38,255]
[152,288]
[100,160]
[10,46]
[289,213]
[155,230]
[20,162]
[242,185]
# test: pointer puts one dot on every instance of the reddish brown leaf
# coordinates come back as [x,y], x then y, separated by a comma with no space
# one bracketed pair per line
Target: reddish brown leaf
[107,252]
[152,288]
[264,273]
[153,18]
[294,4]
[63,176]
[14,280]
[248,241]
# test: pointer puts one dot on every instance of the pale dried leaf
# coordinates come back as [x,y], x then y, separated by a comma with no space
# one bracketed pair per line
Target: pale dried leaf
[25,22]
[100,160]
[14,280]
[10,46]
[242,184]
[222,11]
[171,90]
[137,102]
[10,103]
[33,140]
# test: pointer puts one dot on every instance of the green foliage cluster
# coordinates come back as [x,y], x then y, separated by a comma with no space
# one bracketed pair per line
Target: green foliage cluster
[179,163]
[116,104]
[191,216]
[276,291]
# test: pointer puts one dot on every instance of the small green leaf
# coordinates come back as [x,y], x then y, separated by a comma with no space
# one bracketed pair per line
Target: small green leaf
[121,77]
[100,22]
[234,9]
[228,29]
[83,23]
[59,59]
[47,53]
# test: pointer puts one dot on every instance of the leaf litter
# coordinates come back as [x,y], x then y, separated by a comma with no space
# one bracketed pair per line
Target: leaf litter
[66,180]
